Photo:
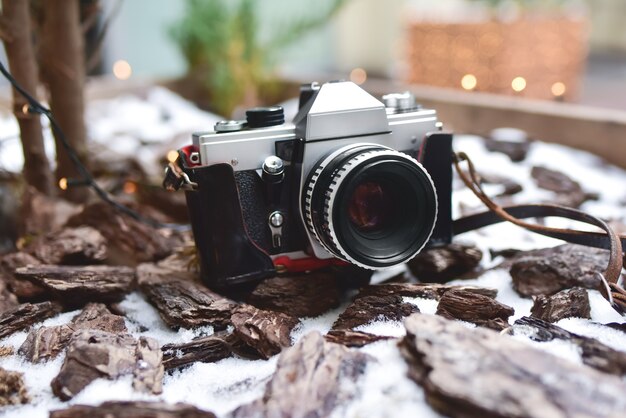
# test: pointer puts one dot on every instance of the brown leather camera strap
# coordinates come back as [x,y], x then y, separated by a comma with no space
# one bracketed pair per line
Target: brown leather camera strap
[514,214]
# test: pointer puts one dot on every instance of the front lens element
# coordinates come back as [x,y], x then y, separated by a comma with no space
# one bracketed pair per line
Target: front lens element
[371,206]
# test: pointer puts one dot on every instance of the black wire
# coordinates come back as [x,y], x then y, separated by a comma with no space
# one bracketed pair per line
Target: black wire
[35,106]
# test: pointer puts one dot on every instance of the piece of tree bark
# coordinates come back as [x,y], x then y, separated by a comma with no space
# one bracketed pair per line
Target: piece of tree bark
[306,295]
[480,373]
[181,264]
[267,332]
[45,343]
[477,309]
[130,242]
[132,409]
[93,354]
[205,349]
[593,352]
[182,303]
[40,214]
[12,388]
[7,299]
[25,290]
[422,290]
[351,338]
[564,304]
[546,271]
[515,150]
[63,69]
[25,315]
[311,379]
[75,286]
[510,186]
[366,309]
[445,263]
[15,23]
[71,246]
[148,373]
[6,351]
[568,192]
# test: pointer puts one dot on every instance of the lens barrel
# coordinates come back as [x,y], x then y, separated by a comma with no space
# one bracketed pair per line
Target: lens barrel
[370,205]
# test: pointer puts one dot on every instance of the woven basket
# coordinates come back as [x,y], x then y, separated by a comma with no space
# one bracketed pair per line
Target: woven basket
[544,51]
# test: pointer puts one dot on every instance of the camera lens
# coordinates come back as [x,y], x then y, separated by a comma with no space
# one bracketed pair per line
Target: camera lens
[370,205]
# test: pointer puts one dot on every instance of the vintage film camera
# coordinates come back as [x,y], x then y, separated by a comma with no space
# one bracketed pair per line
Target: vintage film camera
[351,181]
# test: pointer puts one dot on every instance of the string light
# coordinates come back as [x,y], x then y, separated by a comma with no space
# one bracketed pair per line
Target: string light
[558,89]
[518,84]
[122,70]
[358,76]
[129,187]
[63,183]
[469,82]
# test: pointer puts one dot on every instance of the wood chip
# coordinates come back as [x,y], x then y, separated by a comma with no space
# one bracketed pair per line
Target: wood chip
[205,349]
[148,373]
[515,150]
[311,379]
[77,285]
[480,373]
[182,303]
[267,332]
[72,246]
[445,263]
[564,304]
[366,309]
[6,351]
[130,242]
[568,192]
[299,296]
[549,270]
[93,354]
[477,309]
[25,315]
[593,352]
[45,343]
[25,290]
[7,299]
[351,338]
[130,409]
[422,290]
[12,388]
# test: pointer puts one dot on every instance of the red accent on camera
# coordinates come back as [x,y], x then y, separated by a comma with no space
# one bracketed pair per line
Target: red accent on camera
[300,265]
[187,151]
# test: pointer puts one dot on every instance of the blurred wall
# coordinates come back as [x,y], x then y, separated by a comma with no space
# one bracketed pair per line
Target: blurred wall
[608,24]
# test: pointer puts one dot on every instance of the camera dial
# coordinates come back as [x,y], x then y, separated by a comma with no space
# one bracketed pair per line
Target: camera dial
[370,205]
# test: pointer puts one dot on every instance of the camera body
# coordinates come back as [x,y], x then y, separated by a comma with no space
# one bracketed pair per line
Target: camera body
[352,181]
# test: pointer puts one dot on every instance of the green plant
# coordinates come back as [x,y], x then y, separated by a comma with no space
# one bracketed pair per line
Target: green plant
[221,42]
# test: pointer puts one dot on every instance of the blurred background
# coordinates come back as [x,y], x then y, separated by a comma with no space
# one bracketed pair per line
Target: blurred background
[552,49]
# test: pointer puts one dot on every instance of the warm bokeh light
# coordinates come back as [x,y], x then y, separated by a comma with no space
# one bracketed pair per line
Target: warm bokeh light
[26,109]
[558,89]
[518,84]
[122,70]
[358,76]
[172,156]
[469,82]
[130,187]
[63,183]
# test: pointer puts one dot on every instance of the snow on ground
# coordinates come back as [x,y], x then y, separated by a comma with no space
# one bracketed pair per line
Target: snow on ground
[131,124]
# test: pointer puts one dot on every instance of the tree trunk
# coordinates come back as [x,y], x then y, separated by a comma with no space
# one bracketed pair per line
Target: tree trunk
[17,43]
[63,65]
